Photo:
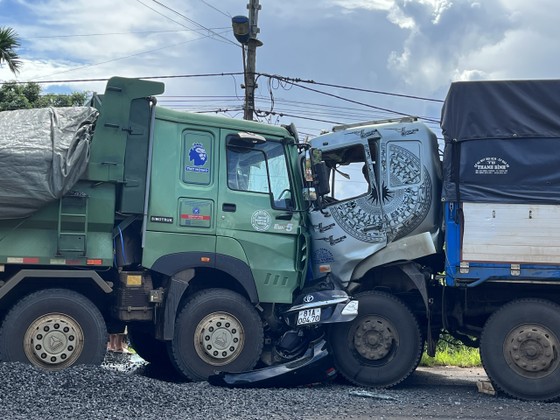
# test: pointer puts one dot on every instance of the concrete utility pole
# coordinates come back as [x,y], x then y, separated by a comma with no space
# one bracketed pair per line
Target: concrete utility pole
[245,30]
[250,70]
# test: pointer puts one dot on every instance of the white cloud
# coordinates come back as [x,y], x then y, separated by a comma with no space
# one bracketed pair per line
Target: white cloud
[443,36]
[136,42]
[364,4]
[466,39]
[137,38]
[468,74]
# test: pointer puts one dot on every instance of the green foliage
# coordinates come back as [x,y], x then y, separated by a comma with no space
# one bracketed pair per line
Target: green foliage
[58,100]
[451,352]
[13,97]
[9,42]
[28,95]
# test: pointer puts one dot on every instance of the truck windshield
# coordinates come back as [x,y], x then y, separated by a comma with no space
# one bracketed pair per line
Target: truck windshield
[261,169]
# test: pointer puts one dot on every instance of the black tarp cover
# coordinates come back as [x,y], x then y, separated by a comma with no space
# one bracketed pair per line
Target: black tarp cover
[43,153]
[502,141]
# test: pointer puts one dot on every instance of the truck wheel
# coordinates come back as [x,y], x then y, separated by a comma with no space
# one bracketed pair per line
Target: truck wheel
[54,329]
[217,330]
[520,349]
[382,346]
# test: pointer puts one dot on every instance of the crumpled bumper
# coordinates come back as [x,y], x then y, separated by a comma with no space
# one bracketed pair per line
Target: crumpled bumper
[314,366]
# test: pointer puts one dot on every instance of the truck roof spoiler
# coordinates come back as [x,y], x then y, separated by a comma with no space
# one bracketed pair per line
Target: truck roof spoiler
[405,119]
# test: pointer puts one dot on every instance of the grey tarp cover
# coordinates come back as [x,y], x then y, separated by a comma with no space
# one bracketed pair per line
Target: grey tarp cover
[502,141]
[43,152]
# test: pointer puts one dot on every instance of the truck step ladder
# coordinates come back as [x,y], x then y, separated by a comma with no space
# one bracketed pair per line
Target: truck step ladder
[73,224]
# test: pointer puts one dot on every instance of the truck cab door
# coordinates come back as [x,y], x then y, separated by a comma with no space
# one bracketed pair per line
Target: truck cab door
[350,227]
[257,221]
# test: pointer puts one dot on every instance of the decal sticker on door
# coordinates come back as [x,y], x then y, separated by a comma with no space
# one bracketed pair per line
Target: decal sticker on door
[261,220]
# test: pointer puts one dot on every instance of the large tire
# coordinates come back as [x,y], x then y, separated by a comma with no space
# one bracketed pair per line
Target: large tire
[520,349]
[217,330]
[382,346]
[54,329]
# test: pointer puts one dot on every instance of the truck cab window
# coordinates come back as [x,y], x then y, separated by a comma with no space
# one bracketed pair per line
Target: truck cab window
[348,173]
[261,169]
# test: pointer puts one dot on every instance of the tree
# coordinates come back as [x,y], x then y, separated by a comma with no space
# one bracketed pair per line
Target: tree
[15,95]
[9,41]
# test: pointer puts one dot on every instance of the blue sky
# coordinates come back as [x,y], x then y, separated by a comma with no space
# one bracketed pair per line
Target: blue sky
[411,47]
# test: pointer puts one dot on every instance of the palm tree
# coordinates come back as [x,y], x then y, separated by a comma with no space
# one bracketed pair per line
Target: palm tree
[9,41]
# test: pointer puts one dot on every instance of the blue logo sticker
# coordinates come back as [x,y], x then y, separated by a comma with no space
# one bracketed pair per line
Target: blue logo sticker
[198,155]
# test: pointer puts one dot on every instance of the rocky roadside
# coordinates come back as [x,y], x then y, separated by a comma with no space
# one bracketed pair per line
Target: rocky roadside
[121,389]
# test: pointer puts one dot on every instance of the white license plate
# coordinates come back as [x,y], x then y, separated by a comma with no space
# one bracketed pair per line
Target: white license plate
[309,316]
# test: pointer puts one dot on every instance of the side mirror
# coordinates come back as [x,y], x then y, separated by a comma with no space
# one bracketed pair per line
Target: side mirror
[322,186]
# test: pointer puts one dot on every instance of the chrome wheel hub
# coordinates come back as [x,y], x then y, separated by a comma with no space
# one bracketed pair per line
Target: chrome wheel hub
[53,341]
[219,338]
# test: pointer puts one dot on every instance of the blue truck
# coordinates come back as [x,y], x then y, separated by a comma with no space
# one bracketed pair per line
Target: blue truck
[467,245]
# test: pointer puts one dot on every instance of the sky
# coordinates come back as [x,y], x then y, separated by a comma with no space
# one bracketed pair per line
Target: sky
[368,59]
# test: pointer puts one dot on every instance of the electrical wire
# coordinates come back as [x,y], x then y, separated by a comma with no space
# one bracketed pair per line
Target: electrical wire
[122,58]
[167,17]
[104,79]
[356,102]
[379,92]
[283,105]
[194,22]
[278,107]
[115,33]
[216,9]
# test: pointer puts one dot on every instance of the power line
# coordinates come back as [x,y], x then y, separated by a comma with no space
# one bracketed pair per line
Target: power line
[314,111]
[295,109]
[313,107]
[216,9]
[125,57]
[281,114]
[379,92]
[104,79]
[117,33]
[317,108]
[282,106]
[167,17]
[194,22]
[271,113]
[353,101]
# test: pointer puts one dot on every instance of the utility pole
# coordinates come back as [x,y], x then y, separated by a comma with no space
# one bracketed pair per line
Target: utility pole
[250,70]
[245,30]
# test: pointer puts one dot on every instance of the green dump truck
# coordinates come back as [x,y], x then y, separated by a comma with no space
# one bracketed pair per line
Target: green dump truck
[188,229]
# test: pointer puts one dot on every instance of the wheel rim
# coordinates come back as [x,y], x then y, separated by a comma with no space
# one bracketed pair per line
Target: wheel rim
[219,338]
[375,338]
[532,351]
[53,341]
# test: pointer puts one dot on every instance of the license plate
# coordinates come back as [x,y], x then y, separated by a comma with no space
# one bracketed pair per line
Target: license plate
[309,316]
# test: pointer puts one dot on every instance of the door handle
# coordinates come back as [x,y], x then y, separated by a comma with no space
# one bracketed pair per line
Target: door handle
[230,207]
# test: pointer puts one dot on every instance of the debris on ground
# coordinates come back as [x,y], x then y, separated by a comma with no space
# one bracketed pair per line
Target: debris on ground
[485,387]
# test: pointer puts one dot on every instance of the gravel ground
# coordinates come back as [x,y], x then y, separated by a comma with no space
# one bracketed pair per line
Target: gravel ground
[121,390]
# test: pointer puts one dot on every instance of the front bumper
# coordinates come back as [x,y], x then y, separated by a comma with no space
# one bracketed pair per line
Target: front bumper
[314,366]
[335,306]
